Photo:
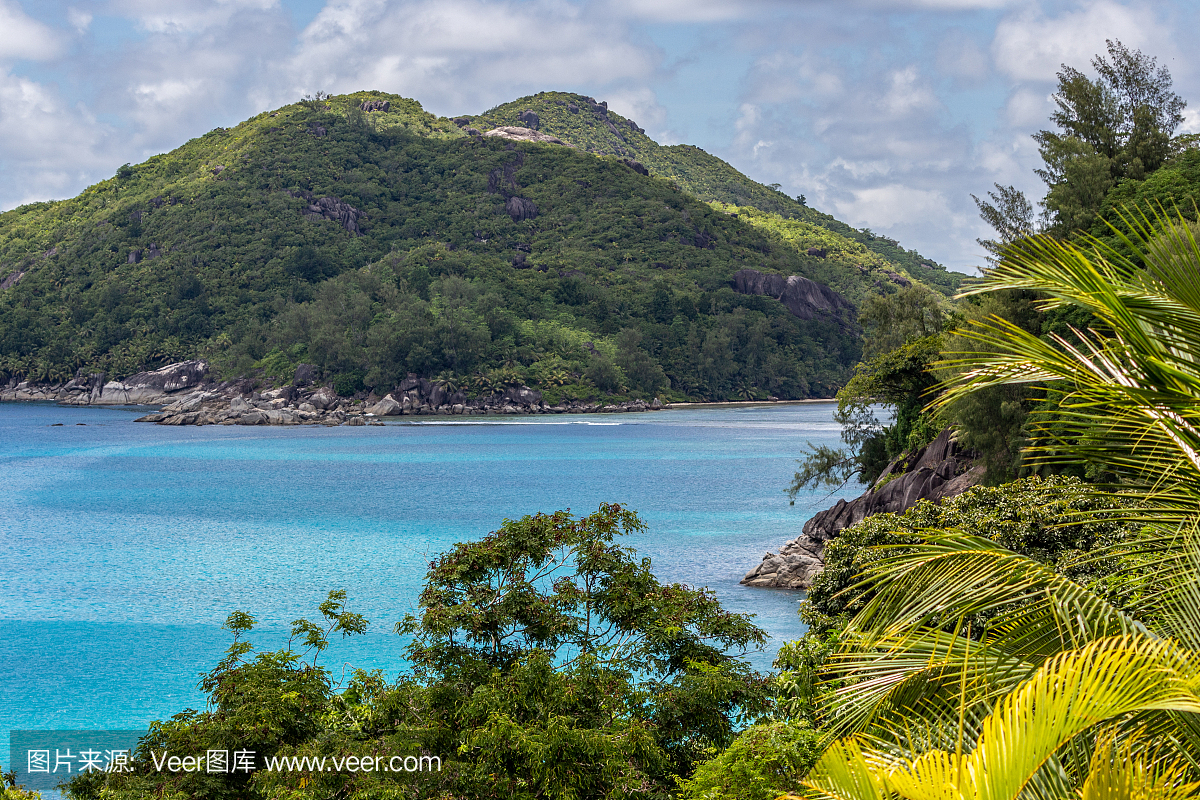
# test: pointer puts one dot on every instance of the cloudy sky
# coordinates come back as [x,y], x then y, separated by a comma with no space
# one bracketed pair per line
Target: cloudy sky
[888,114]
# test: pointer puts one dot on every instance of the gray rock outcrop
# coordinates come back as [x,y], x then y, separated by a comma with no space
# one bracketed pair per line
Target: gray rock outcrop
[520,209]
[935,472]
[529,119]
[519,134]
[803,297]
[335,209]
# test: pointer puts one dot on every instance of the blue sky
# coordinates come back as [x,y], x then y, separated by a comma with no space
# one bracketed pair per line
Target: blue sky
[888,114]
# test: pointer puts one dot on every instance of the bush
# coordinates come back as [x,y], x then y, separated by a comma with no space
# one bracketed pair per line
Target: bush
[765,761]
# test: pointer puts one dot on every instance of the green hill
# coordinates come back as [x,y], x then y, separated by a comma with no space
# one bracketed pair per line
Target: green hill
[372,239]
[589,125]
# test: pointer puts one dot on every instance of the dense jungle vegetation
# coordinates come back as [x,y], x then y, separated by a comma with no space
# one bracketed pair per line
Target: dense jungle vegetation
[381,242]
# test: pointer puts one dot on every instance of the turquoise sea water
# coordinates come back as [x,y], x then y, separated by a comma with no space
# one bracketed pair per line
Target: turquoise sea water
[124,546]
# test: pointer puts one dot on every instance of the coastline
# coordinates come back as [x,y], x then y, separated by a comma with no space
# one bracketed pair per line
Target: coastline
[184,394]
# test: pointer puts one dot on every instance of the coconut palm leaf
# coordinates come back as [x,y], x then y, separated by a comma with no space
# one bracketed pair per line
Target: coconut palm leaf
[1131,384]
[953,574]
[1066,697]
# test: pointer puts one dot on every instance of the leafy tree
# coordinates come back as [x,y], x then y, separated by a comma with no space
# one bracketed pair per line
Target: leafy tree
[892,321]
[557,665]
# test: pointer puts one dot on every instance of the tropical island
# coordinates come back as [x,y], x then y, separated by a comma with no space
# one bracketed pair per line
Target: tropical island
[1033,635]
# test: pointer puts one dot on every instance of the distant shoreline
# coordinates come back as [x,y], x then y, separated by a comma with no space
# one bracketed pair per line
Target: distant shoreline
[704,404]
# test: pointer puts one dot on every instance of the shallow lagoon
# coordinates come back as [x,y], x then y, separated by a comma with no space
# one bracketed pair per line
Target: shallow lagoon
[123,546]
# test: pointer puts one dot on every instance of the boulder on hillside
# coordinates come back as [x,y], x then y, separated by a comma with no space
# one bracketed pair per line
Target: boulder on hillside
[529,119]
[305,375]
[804,298]
[519,134]
[336,209]
[520,209]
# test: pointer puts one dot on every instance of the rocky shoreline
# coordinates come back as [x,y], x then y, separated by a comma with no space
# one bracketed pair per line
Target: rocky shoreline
[188,396]
[940,470]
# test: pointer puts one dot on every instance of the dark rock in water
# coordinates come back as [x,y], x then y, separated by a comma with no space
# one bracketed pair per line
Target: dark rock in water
[804,298]
[935,472]
[520,208]
[305,374]
[529,119]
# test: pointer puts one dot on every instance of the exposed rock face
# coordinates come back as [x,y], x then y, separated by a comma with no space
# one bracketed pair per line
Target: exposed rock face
[529,119]
[819,252]
[11,280]
[324,398]
[376,105]
[803,297]
[524,135]
[636,166]
[387,407]
[305,375]
[144,388]
[520,208]
[337,210]
[462,122]
[937,471]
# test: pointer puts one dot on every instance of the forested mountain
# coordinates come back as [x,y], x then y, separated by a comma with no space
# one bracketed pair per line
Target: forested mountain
[363,235]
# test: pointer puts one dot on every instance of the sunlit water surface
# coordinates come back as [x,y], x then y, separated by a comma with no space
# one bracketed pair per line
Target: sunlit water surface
[124,546]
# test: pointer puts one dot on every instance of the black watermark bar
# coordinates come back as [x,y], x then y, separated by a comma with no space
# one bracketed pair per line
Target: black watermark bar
[45,759]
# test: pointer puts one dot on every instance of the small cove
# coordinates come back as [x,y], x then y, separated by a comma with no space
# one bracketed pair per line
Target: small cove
[123,546]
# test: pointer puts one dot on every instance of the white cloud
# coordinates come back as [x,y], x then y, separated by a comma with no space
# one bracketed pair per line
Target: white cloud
[1028,109]
[1031,45]
[21,36]
[893,204]
[187,16]
[50,149]
[457,55]
[688,10]
[79,19]
[1191,121]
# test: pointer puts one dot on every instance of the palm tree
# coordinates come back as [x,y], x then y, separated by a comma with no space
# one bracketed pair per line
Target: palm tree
[1063,691]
